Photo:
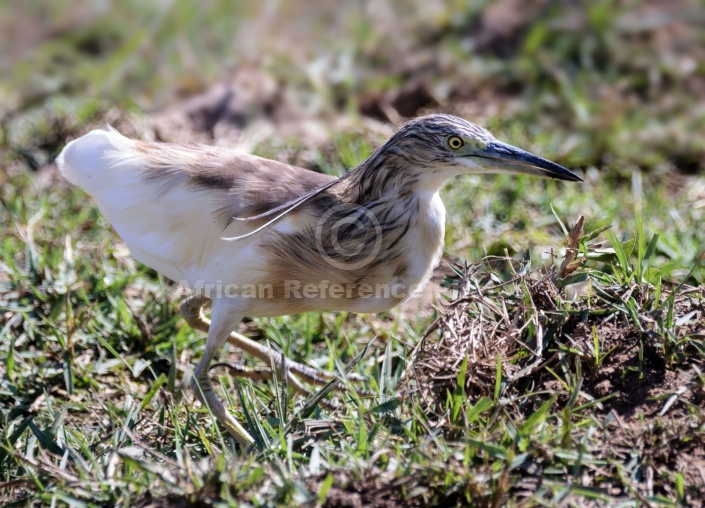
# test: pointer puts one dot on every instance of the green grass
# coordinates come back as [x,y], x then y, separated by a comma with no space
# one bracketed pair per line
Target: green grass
[586,388]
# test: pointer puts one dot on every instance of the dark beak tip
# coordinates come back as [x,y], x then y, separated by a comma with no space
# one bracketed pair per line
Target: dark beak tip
[567,175]
[576,178]
[572,178]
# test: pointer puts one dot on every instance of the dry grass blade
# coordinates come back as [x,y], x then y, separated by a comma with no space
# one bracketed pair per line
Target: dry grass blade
[569,265]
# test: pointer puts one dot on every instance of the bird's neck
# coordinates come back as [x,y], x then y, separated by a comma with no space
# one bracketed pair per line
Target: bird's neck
[405,206]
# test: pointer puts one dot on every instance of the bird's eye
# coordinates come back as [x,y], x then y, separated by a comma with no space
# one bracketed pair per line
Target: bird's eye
[454,142]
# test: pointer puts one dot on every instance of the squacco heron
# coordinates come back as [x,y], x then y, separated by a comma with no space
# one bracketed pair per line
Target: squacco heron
[254,237]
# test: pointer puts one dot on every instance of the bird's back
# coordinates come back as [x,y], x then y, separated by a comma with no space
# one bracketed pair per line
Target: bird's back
[173,204]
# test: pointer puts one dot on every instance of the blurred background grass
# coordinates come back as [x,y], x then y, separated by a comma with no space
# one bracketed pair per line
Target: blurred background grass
[614,88]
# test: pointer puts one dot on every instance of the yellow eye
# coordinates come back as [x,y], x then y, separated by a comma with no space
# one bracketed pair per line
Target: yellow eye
[454,142]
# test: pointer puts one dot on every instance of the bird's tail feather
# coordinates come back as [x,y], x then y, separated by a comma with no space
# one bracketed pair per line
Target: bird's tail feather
[91,160]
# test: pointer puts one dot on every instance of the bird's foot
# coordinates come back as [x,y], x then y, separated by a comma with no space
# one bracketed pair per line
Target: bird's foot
[202,387]
[266,374]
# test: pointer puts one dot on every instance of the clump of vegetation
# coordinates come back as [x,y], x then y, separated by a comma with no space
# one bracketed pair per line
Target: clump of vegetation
[558,372]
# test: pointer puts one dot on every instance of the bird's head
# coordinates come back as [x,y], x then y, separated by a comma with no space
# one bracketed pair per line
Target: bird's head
[441,146]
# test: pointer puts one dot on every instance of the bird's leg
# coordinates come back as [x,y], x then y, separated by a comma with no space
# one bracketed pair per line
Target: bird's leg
[265,374]
[295,371]
[192,310]
[224,320]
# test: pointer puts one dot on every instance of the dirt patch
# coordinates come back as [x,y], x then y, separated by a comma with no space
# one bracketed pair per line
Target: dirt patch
[638,366]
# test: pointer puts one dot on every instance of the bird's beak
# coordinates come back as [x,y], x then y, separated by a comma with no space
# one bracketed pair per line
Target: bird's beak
[499,157]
